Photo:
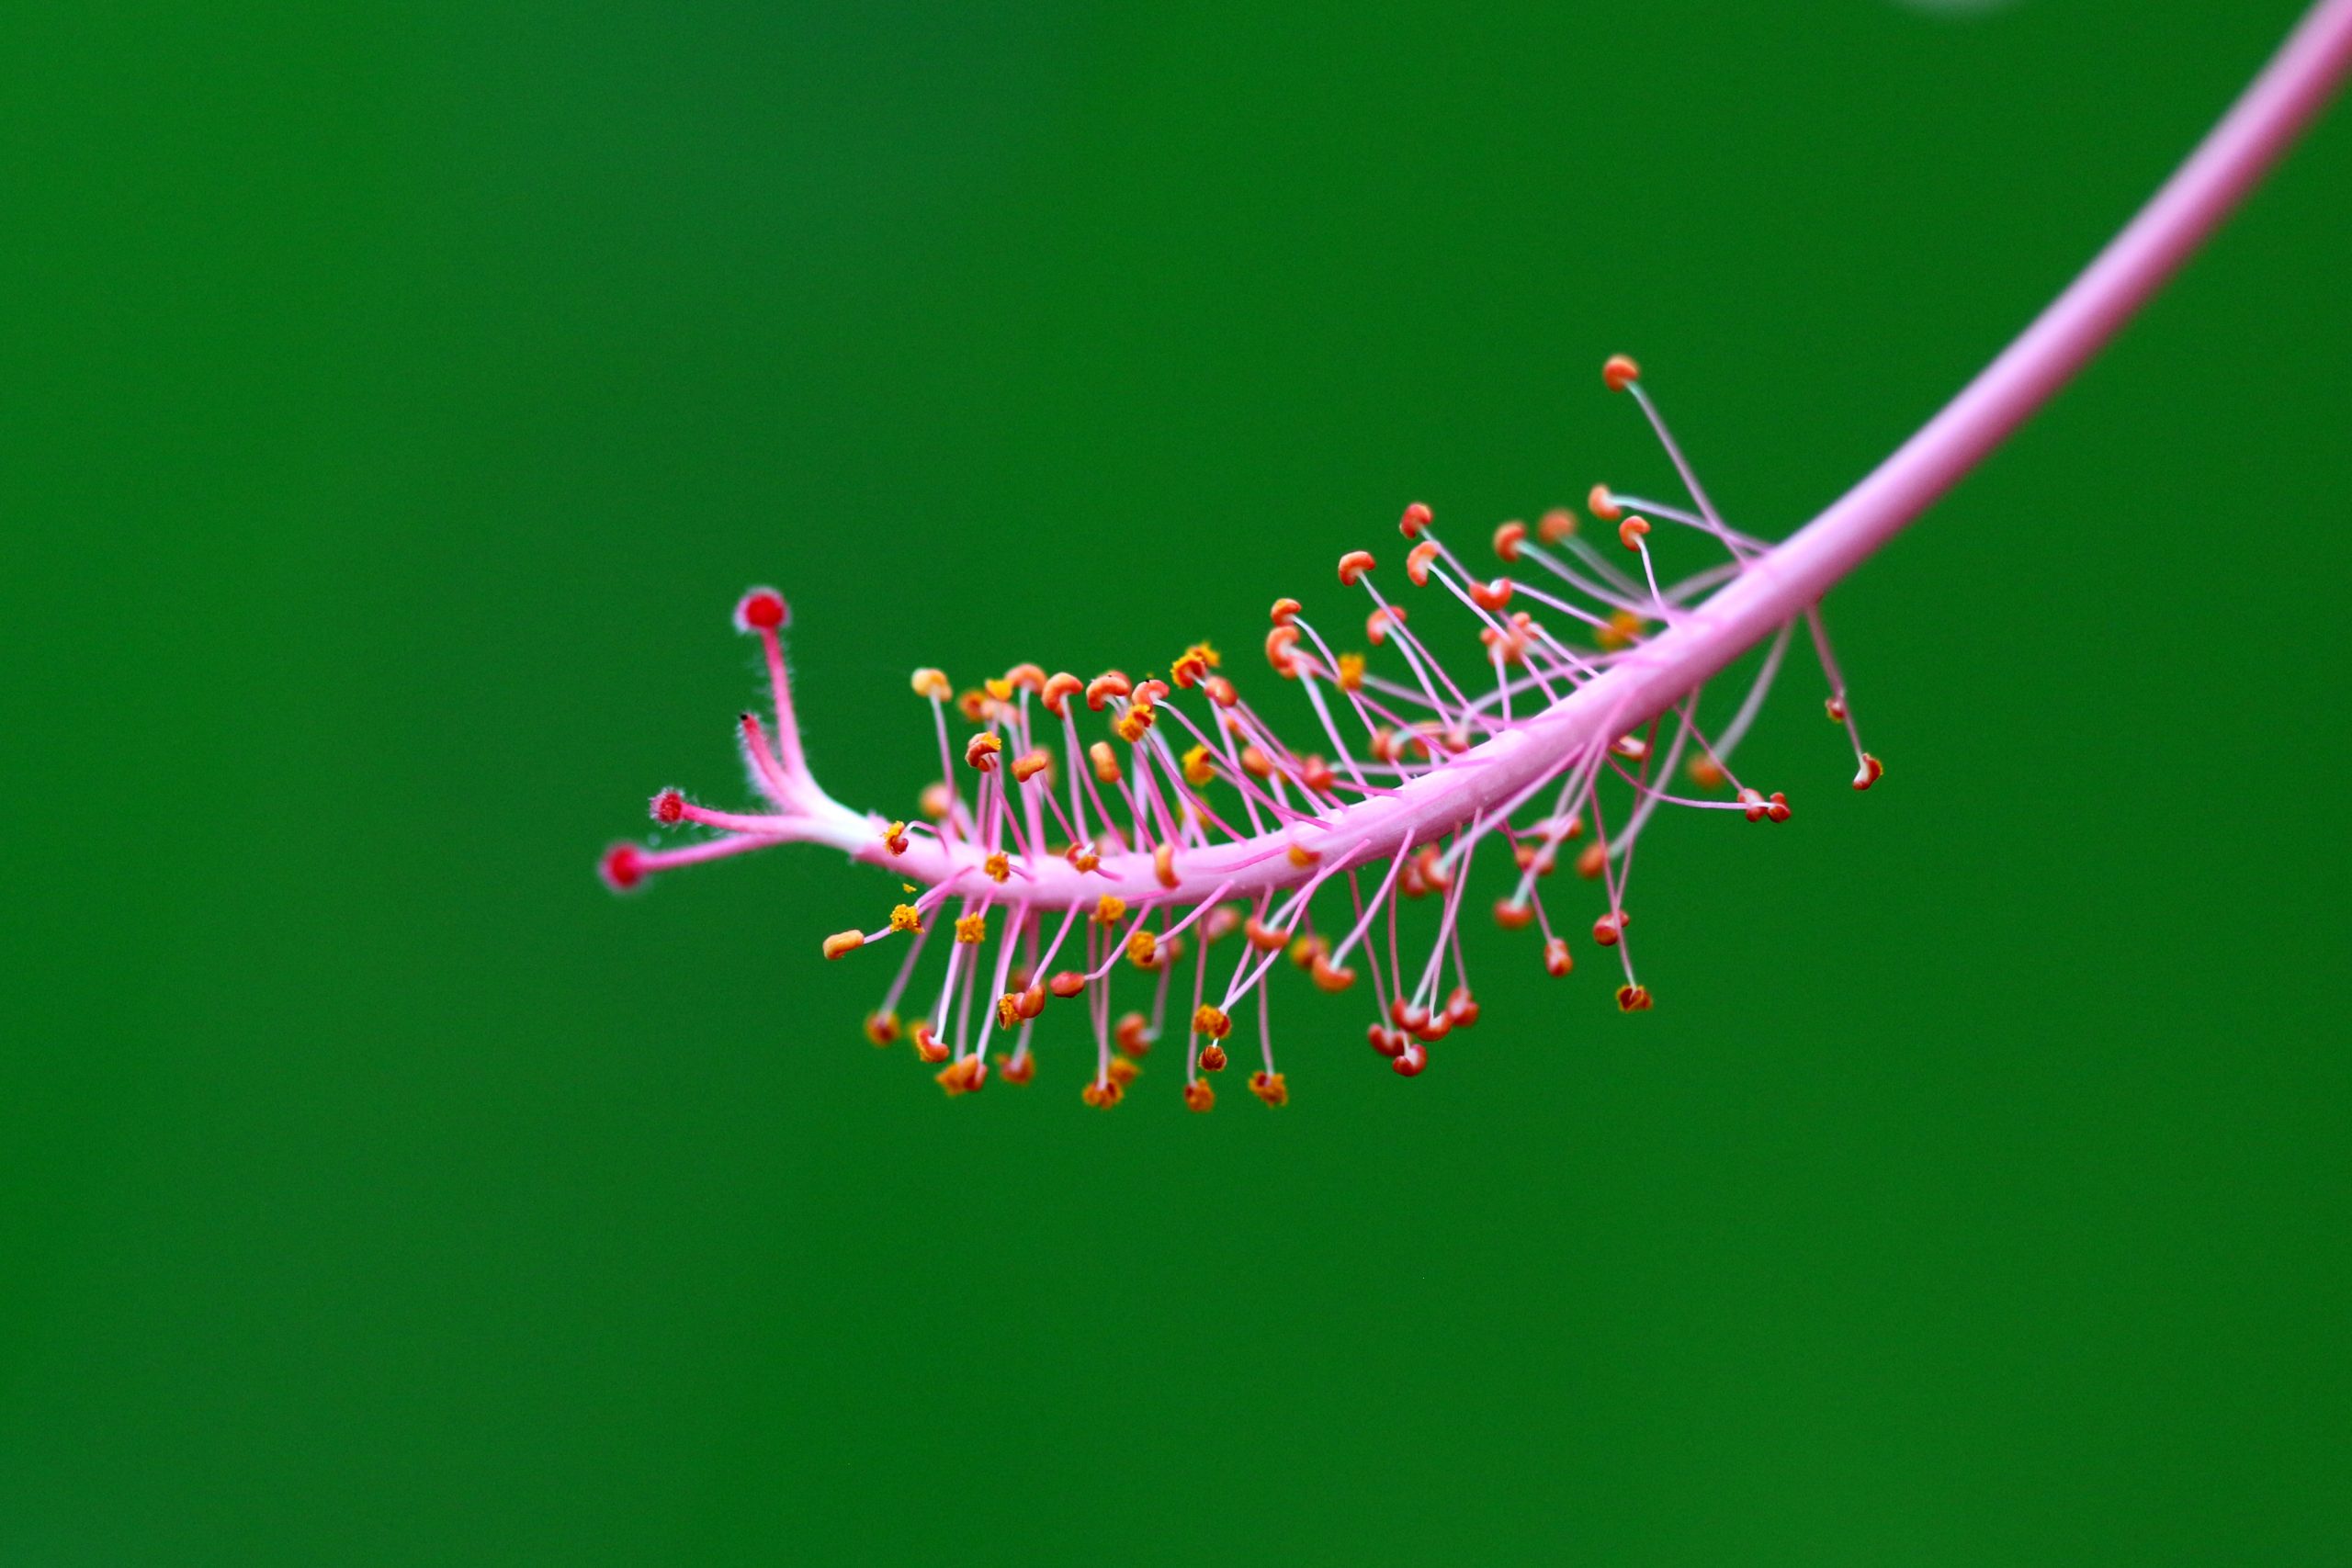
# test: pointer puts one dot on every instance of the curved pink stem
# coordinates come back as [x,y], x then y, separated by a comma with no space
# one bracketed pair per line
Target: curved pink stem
[1779,587]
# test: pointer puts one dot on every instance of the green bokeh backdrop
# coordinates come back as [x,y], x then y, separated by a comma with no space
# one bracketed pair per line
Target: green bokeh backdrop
[396,398]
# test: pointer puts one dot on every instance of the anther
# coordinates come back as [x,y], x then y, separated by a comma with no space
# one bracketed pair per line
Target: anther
[1329,976]
[1105,761]
[1101,1096]
[1490,595]
[1066,984]
[1559,524]
[1199,1096]
[1509,536]
[844,941]
[1286,610]
[1838,711]
[1706,773]
[1109,909]
[895,837]
[1375,626]
[1633,998]
[1211,1057]
[1610,928]
[1221,691]
[1353,565]
[929,1047]
[1557,960]
[1104,687]
[1303,857]
[1143,947]
[1199,771]
[1058,690]
[1212,1022]
[1082,858]
[881,1027]
[1020,1070]
[1602,506]
[1417,562]
[1630,532]
[1416,518]
[971,929]
[1513,917]
[1281,644]
[1870,772]
[1620,372]
[1131,1035]
[1387,1041]
[1008,1010]
[1033,1000]
[1262,936]
[1121,1072]
[934,683]
[1412,1060]
[906,918]
[669,807]
[1163,865]
[1270,1088]
[998,866]
[1030,764]
[981,751]
[1462,1008]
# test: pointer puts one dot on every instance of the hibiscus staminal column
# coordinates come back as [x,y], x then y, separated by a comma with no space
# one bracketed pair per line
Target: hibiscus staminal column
[1558,703]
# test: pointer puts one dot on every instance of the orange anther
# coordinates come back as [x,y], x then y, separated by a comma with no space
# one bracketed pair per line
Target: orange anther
[1199,770]
[1316,774]
[1059,688]
[1030,676]
[929,1047]
[882,1027]
[1376,624]
[1490,595]
[1082,858]
[1163,865]
[1307,949]
[1873,769]
[1303,857]
[1630,532]
[1131,1035]
[905,917]
[1837,710]
[1262,936]
[1602,505]
[981,751]
[1030,764]
[1286,610]
[1557,960]
[1000,690]
[1353,565]
[1033,1000]
[1416,518]
[1609,929]
[1462,1008]
[1270,1088]
[1133,725]
[844,941]
[1109,909]
[1593,860]
[1350,671]
[1256,764]
[1222,922]
[1121,1072]
[1619,372]
[1624,628]
[1417,562]
[1143,948]
[1008,1010]
[1706,773]
[1199,1096]
[895,836]
[1221,691]
[1330,976]
[1387,1041]
[1556,524]
[1211,1057]
[1281,642]
[1532,856]
[932,683]
[1633,998]
[1101,1096]
[1211,1020]
[1511,916]
[1105,761]
[973,705]
[998,866]
[1066,984]
[1021,1069]
[1509,536]
[1104,687]
[971,929]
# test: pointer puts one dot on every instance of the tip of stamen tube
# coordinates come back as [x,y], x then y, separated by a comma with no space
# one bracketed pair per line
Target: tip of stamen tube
[1619,372]
[762,609]
[669,807]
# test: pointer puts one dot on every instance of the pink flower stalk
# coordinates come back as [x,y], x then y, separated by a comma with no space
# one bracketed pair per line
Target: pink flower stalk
[1080,827]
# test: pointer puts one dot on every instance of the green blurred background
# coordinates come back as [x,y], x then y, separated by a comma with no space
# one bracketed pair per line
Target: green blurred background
[395,400]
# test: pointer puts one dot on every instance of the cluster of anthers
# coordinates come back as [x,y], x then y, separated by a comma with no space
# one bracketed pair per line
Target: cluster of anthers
[1055,861]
